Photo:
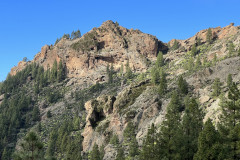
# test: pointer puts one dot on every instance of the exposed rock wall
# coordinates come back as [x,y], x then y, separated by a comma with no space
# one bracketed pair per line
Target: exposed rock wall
[86,58]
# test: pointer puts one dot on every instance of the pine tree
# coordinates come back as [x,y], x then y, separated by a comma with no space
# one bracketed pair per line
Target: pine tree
[54,71]
[194,50]
[169,131]
[31,148]
[76,123]
[60,72]
[198,41]
[155,75]
[175,45]
[57,40]
[190,64]
[39,127]
[64,142]
[192,124]
[216,87]
[114,140]
[102,152]
[5,155]
[49,114]
[209,147]
[160,61]
[229,122]
[198,63]
[78,34]
[229,81]
[230,48]
[209,36]
[130,139]
[120,153]
[150,148]
[182,85]
[36,114]
[95,153]
[128,71]
[52,143]
[163,83]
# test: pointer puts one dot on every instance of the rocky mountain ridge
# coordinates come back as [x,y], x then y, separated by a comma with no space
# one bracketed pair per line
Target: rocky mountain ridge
[86,58]
[107,108]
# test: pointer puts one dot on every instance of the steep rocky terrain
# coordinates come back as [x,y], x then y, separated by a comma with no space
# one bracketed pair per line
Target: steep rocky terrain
[106,109]
[86,58]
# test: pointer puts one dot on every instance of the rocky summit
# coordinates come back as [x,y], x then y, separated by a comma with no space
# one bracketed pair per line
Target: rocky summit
[118,93]
[86,58]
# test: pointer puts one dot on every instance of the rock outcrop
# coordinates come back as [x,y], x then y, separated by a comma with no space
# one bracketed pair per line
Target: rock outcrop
[105,115]
[86,58]
[218,33]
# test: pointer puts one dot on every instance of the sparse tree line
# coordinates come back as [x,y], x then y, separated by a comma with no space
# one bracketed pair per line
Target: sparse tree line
[74,35]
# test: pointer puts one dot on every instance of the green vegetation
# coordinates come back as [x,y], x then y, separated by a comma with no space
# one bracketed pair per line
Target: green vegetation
[231,49]
[31,148]
[182,85]
[110,73]
[182,134]
[175,45]
[229,123]
[95,153]
[170,130]
[160,60]
[130,140]
[194,50]
[209,36]
[216,87]
[75,34]
[208,143]
[129,73]
[86,43]
[150,147]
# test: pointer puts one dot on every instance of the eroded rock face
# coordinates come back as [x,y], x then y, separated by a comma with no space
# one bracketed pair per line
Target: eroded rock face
[86,58]
[21,65]
[143,109]
[97,110]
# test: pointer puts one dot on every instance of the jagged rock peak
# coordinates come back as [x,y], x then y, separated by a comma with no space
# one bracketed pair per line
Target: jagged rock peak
[86,58]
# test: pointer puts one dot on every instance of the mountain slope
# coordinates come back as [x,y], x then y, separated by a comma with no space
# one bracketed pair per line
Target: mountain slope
[83,107]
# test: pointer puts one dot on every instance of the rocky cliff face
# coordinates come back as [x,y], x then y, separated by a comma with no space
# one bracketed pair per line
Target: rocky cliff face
[86,58]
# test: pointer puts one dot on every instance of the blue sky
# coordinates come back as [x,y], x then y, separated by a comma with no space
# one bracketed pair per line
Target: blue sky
[27,25]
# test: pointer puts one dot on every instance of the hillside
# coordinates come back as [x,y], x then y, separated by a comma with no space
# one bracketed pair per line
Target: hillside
[125,91]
